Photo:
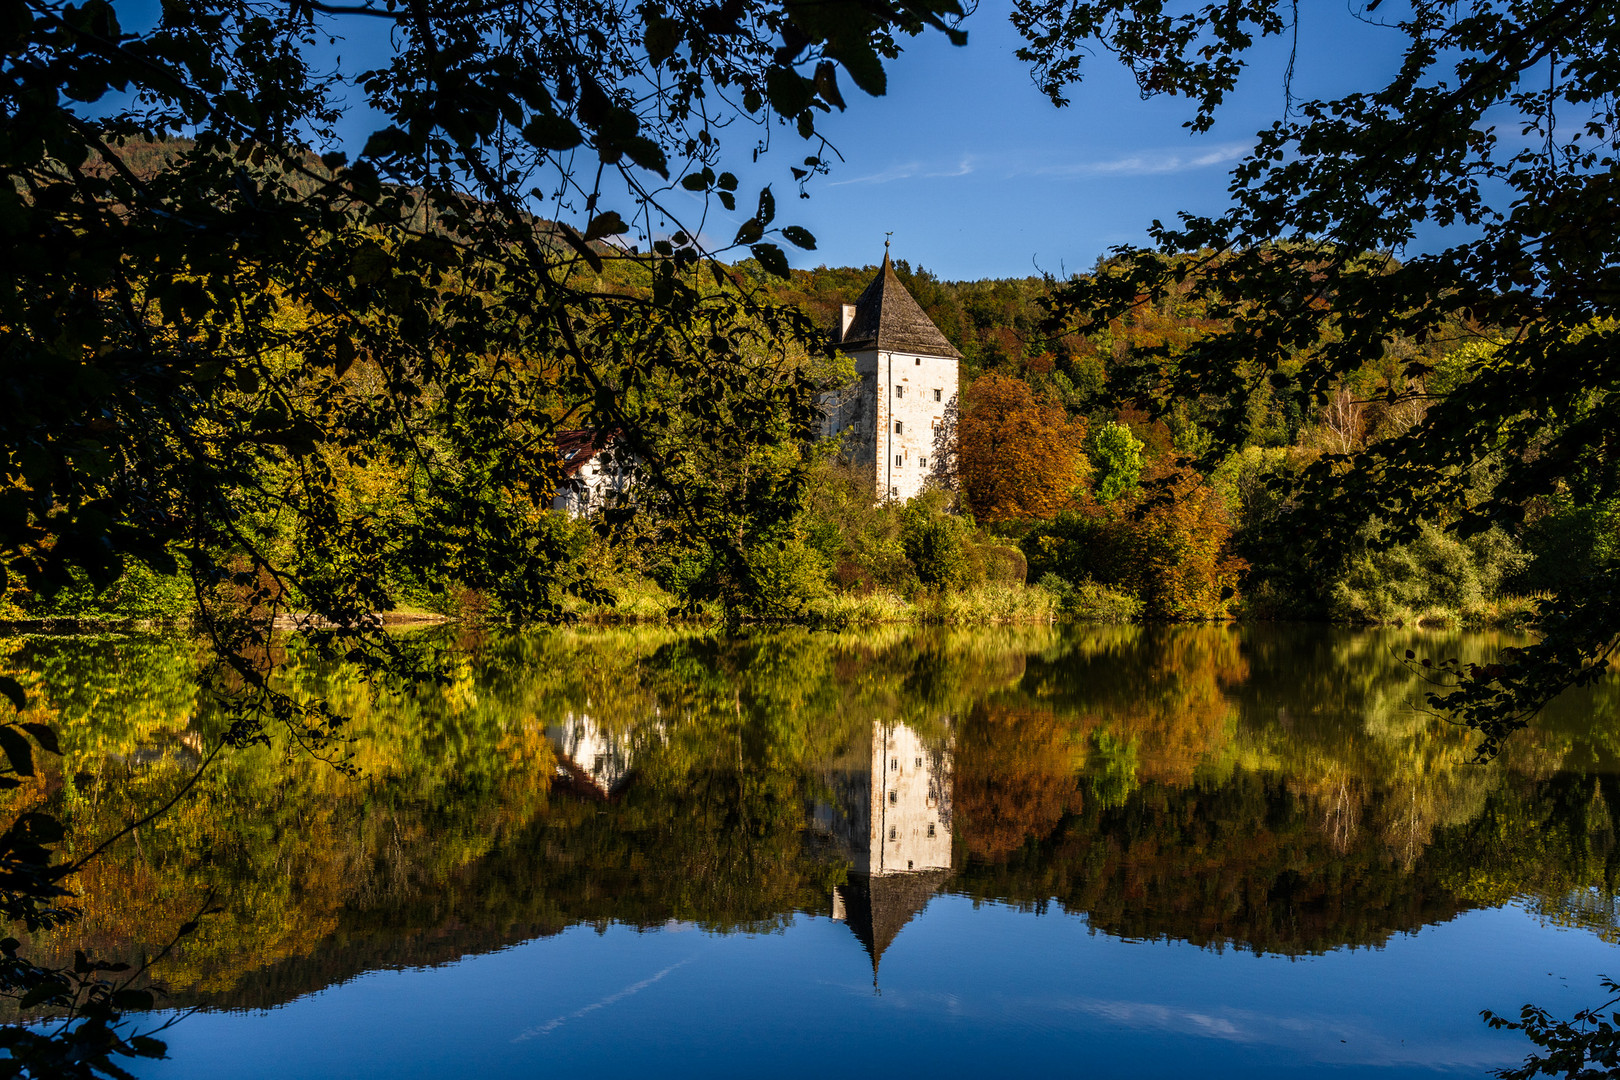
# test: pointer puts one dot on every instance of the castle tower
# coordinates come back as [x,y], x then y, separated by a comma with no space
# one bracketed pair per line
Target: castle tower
[896,421]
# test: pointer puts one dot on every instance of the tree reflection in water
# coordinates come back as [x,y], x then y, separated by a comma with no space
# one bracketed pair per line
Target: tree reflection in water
[1264,789]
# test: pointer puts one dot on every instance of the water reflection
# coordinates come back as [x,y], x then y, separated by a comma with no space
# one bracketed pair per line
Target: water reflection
[890,815]
[1269,790]
[590,757]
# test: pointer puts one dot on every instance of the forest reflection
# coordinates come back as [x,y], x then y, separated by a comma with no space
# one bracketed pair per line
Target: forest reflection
[1263,788]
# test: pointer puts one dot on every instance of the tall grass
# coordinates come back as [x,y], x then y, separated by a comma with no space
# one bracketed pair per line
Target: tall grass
[977,605]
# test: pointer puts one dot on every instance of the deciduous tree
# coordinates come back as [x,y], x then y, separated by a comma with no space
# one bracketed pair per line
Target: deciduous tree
[1018,456]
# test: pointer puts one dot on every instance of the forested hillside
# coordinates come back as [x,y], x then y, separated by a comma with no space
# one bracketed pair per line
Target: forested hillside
[1069,495]
[1062,454]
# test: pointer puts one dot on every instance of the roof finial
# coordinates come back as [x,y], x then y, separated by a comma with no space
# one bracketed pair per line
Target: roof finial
[886,237]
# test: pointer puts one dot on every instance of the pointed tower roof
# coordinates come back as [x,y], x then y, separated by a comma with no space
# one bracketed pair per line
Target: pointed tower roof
[878,906]
[888,318]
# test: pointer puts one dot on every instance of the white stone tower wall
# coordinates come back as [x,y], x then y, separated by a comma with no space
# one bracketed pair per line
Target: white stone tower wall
[907,389]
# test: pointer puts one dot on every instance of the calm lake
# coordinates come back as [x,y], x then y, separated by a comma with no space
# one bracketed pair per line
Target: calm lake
[1097,851]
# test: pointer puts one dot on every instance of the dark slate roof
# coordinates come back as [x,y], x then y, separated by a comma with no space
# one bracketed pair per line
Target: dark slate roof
[887,318]
[876,907]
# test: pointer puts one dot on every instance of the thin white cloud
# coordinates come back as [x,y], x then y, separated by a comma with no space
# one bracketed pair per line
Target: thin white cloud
[1150,162]
[962,168]
[612,999]
[889,175]
[910,170]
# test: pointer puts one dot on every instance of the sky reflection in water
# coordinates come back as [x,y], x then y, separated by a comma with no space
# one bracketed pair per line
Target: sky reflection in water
[965,991]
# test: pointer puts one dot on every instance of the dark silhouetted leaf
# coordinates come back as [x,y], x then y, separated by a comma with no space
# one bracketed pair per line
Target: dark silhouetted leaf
[13,691]
[552,133]
[799,236]
[771,258]
[17,751]
[605,224]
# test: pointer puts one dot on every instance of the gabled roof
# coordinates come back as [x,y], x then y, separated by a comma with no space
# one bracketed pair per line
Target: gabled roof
[887,318]
[577,447]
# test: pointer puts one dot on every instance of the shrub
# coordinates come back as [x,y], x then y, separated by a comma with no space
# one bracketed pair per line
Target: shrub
[785,575]
[935,541]
[996,564]
[1180,564]
[138,594]
[1435,575]
[1170,552]
[1089,601]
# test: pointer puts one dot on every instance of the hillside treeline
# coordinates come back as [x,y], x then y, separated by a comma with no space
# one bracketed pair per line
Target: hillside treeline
[1061,453]
[1067,494]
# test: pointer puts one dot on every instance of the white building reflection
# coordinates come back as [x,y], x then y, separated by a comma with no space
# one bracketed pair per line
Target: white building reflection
[589,757]
[892,820]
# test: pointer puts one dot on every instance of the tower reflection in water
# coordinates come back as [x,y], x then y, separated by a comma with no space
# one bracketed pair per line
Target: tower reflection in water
[591,761]
[890,816]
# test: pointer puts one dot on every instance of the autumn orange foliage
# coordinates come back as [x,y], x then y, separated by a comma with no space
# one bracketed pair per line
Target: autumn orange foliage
[1183,568]
[1016,776]
[1018,457]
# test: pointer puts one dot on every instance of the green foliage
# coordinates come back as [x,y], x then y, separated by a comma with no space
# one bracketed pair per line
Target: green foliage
[1570,542]
[862,539]
[1585,1048]
[786,576]
[995,564]
[138,593]
[935,541]
[1433,575]
[1116,457]
[1065,548]
[1088,601]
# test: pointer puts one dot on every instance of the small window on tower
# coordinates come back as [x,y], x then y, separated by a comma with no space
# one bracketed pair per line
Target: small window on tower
[894,833]
[894,491]
[894,763]
[899,460]
[919,763]
[899,391]
[930,828]
[939,395]
[919,361]
[894,797]
[899,427]
[922,463]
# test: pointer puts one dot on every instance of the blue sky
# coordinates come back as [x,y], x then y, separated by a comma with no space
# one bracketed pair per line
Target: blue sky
[978,175]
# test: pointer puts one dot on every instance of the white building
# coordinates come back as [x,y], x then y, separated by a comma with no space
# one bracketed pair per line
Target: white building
[595,468]
[900,421]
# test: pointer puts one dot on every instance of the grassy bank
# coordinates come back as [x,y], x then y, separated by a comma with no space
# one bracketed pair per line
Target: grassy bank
[642,601]
[1501,613]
